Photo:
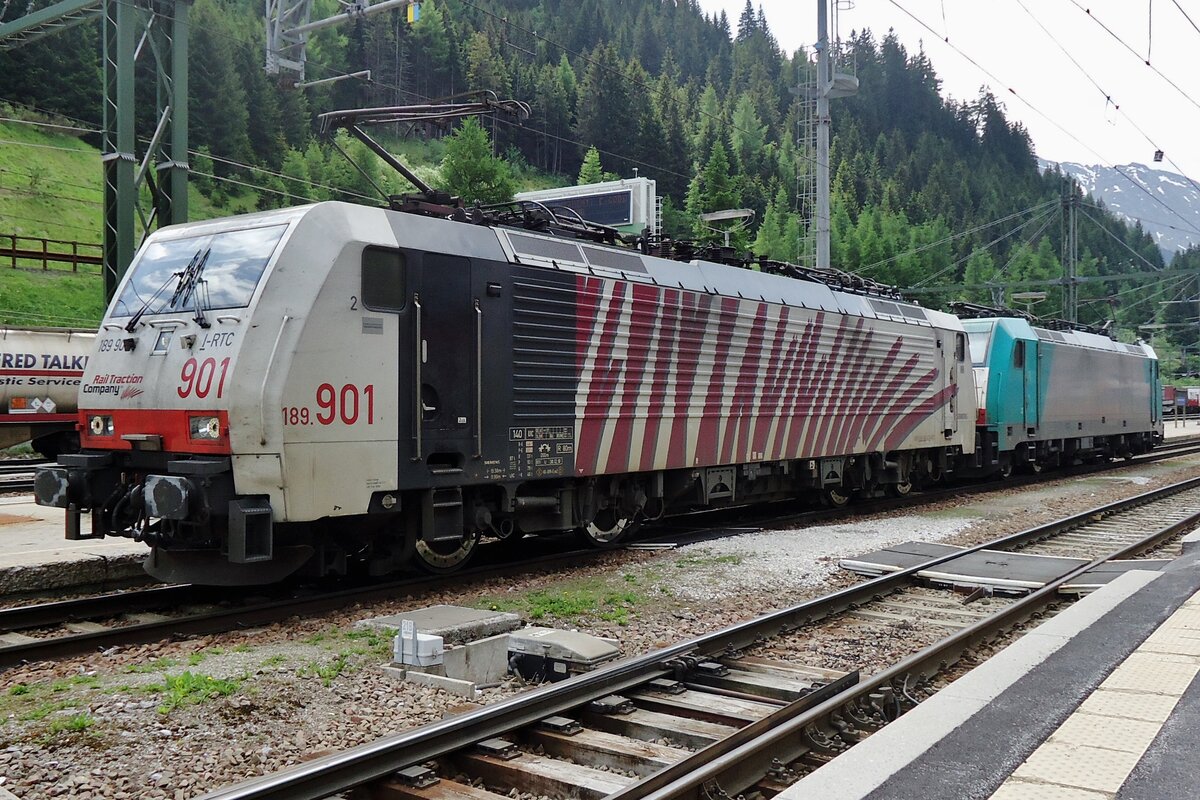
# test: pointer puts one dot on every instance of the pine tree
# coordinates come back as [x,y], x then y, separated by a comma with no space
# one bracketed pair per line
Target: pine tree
[606,117]
[486,70]
[217,97]
[469,169]
[713,189]
[431,49]
[771,240]
[591,171]
[710,125]
[747,137]
[296,183]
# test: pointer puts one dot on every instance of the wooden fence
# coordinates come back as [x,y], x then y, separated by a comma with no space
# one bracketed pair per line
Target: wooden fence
[29,252]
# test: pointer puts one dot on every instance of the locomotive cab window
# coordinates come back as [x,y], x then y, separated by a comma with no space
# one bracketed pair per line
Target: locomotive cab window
[979,341]
[960,347]
[1018,353]
[383,283]
[212,271]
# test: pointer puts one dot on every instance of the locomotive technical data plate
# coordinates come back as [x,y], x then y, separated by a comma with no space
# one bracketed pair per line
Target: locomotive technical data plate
[541,451]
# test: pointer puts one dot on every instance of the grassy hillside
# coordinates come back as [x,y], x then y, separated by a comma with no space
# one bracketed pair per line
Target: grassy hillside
[51,187]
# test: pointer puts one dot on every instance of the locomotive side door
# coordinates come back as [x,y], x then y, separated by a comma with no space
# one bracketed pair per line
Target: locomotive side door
[449,360]
[1025,361]
[958,369]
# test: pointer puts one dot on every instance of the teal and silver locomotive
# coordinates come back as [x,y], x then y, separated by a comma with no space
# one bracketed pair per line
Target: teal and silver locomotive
[1051,397]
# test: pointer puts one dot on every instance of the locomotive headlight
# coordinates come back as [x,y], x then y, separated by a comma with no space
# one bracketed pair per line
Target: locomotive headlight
[204,428]
[100,425]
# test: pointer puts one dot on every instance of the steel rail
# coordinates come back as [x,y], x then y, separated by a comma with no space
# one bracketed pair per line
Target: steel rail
[376,760]
[108,605]
[743,758]
[59,612]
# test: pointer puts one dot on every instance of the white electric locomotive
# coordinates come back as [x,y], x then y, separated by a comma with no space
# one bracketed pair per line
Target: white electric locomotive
[334,387]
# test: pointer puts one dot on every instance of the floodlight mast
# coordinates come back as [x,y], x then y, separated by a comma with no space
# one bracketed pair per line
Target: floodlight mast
[830,85]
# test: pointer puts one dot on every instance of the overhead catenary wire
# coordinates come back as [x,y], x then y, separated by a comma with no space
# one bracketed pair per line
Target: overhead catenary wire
[1135,53]
[1029,240]
[1155,222]
[34,176]
[1108,97]
[619,75]
[198,154]
[339,73]
[1120,241]
[954,265]
[1186,16]
[954,236]
[47,222]
[47,125]
[57,321]
[1043,114]
[553,136]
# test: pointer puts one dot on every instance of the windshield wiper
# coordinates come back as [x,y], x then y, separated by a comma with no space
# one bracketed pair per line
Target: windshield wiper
[201,302]
[185,284]
[190,269]
[188,279]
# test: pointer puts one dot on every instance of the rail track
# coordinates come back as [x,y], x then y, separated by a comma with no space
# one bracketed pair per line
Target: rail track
[734,711]
[64,628]
[16,475]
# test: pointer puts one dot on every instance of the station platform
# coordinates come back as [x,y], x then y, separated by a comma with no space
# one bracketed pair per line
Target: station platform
[34,556]
[1180,428]
[1099,703]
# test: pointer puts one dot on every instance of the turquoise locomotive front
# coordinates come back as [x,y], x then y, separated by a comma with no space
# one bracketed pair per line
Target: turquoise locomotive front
[1052,396]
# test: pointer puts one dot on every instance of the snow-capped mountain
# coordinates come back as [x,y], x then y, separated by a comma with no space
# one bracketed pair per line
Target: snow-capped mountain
[1167,204]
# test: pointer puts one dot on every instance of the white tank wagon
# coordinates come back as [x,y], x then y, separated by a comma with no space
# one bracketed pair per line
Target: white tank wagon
[40,373]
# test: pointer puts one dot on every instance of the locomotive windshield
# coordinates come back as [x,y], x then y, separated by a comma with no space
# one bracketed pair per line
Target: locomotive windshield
[978,339]
[222,269]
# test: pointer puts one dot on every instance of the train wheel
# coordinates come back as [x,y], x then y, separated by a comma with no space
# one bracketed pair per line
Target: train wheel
[903,489]
[836,497]
[1006,470]
[441,558]
[607,528]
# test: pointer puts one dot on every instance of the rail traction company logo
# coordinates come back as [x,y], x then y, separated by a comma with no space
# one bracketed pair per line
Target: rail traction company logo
[110,383]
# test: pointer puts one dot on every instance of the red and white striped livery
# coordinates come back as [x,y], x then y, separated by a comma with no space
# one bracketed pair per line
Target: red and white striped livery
[670,378]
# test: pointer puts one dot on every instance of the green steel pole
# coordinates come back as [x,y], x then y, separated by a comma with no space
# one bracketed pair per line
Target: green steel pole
[120,162]
[173,166]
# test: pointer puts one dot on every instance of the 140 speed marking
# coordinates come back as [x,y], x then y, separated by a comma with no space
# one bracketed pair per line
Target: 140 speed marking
[350,405]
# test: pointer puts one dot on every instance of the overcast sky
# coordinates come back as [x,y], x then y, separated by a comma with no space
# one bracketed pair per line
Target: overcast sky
[1064,111]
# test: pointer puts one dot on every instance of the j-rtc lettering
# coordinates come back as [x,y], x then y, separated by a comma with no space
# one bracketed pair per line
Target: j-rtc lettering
[214,340]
